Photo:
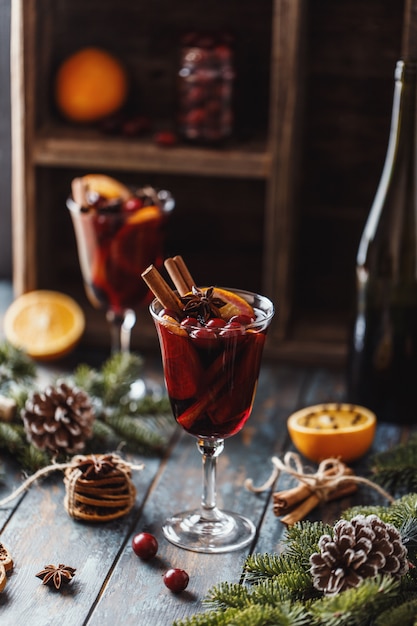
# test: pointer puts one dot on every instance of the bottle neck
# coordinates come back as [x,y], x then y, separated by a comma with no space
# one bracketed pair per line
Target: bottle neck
[401,153]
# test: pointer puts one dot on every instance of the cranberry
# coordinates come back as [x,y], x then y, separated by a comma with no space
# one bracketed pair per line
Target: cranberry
[242,319]
[136,125]
[190,321]
[145,546]
[215,322]
[203,337]
[132,204]
[176,579]
[165,138]
[232,329]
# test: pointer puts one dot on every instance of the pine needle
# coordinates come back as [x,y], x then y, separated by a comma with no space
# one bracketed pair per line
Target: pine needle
[357,607]
[396,468]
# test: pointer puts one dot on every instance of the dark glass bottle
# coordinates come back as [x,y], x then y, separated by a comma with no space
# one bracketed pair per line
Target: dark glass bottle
[383,359]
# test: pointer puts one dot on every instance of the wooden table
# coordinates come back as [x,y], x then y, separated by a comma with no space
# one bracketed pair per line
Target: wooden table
[112,585]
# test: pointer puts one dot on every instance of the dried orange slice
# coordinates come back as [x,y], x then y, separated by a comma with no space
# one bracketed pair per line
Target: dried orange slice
[3,577]
[106,186]
[235,305]
[5,558]
[332,430]
[44,324]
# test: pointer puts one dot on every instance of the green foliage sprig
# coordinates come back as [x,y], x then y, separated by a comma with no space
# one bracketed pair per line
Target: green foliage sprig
[142,425]
[396,469]
[277,589]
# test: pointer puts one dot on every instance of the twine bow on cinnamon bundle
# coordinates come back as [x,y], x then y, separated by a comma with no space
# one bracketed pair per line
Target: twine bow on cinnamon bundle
[332,480]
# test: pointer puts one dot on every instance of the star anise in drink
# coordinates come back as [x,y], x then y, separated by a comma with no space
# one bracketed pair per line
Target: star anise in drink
[56,575]
[202,304]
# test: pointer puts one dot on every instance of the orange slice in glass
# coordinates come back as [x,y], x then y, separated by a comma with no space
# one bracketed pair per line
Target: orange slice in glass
[44,324]
[106,186]
[332,430]
[235,305]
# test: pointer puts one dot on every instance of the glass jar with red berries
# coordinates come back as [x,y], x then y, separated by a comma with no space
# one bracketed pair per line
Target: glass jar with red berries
[206,77]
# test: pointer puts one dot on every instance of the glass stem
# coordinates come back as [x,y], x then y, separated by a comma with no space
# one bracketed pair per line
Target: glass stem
[121,325]
[210,450]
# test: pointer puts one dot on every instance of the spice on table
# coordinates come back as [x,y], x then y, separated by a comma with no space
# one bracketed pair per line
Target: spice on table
[56,575]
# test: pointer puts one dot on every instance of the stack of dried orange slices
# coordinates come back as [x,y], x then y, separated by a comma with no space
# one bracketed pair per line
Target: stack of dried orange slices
[6,564]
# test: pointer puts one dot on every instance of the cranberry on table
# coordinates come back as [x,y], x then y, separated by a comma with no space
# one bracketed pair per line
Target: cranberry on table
[176,579]
[145,546]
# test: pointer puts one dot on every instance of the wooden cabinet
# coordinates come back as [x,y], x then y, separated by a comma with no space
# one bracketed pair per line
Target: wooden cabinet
[279,208]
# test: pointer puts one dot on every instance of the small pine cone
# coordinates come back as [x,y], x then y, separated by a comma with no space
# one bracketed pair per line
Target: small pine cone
[59,419]
[361,548]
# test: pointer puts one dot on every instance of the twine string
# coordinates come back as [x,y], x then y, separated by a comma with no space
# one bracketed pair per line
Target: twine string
[44,471]
[320,482]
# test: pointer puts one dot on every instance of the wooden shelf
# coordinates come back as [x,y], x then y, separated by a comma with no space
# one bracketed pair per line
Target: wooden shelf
[71,147]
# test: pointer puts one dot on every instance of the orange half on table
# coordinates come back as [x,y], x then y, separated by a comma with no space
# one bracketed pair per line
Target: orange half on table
[332,430]
[44,324]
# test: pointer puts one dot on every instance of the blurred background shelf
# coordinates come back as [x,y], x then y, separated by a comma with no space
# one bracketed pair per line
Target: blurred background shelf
[279,208]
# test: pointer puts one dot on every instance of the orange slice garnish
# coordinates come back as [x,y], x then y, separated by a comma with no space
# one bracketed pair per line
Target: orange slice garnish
[106,186]
[235,305]
[332,430]
[44,324]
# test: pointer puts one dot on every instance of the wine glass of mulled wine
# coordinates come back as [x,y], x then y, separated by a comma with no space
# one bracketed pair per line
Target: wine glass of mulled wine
[211,374]
[117,239]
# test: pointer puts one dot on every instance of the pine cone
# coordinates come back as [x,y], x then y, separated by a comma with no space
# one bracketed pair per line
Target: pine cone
[59,419]
[361,548]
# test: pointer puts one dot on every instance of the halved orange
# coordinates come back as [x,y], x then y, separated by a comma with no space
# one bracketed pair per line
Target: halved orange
[44,324]
[332,430]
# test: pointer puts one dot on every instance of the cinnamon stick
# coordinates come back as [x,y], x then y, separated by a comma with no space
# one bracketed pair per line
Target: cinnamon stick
[189,280]
[307,505]
[176,276]
[161,289]
[179,274]
[286,500]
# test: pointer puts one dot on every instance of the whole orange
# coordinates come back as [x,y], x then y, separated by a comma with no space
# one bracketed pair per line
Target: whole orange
[90,84]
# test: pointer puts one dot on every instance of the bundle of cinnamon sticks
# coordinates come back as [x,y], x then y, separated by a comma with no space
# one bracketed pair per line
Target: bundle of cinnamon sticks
[179,275]
[296,503]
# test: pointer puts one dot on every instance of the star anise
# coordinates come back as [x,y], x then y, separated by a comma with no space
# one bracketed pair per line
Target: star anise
[202,304]
[96,465]
[56,575]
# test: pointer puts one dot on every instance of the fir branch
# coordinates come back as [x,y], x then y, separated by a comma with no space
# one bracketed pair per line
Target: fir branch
[226,595]
[404,614]
[359,606]
[262,566]
[274,581]
[15,365]
[302,539]
[252,615]
[396,469]
[145,424]
[135,434]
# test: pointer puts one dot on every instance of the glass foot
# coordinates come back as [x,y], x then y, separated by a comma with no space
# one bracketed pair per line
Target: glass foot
[220,532]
